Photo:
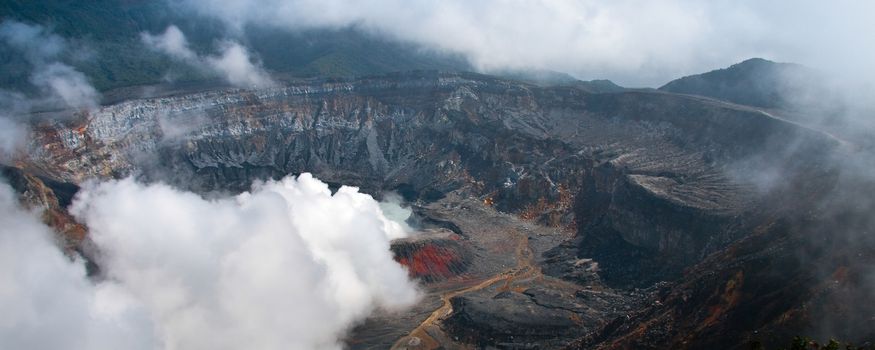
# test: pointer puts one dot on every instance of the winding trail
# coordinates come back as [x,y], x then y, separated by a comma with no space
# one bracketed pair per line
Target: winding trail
[419,337]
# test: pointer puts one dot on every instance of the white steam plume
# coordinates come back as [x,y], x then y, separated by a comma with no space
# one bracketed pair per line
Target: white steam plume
[394,208]
[288,266]
[46,300]
[172,42]
[233,62]
[67,84]
[236,64]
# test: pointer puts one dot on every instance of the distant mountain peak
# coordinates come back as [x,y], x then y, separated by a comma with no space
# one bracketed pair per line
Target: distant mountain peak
[755,60]
[756,82]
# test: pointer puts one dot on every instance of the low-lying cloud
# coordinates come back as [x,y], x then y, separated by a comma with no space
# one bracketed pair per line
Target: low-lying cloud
[632,42]
[66,83]
[58,85]
[172,42]
[285,266]
[12,137]
[233,62]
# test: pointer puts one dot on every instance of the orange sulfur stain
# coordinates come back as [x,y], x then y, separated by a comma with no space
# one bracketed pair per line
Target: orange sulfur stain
[431,261]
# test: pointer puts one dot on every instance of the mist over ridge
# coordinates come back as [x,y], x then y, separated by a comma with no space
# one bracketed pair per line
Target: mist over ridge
[547,174]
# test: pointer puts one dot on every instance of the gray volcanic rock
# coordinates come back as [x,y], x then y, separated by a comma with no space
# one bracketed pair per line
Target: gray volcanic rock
[804,273]
[538,317]
[51,199]
[648,183]
[509,317]
[631,155]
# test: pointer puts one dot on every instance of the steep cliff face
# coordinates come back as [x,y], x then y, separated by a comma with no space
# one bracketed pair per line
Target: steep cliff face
[649,183]
[427,131]
[807,271]
[50,198]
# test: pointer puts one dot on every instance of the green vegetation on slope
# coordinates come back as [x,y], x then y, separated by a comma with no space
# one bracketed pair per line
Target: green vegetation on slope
[105,37]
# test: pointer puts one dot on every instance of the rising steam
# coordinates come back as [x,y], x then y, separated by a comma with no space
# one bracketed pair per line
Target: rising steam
[48,302]
[233,62]
[285,266]
[60,85]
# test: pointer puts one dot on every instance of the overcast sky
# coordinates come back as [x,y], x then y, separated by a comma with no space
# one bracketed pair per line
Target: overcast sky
[636,43]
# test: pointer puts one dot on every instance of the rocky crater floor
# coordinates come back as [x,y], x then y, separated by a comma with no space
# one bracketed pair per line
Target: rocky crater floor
[550,217]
